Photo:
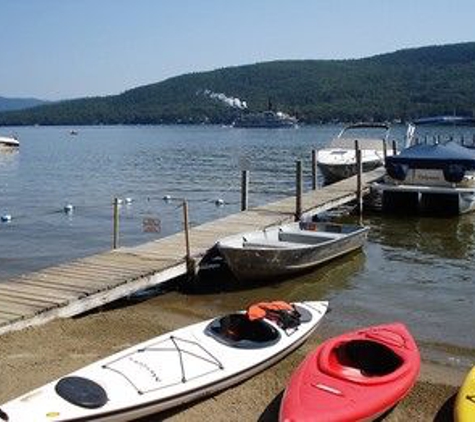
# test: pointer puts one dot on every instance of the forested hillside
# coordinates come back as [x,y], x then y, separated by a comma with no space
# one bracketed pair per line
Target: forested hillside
[7,104]
[401,85]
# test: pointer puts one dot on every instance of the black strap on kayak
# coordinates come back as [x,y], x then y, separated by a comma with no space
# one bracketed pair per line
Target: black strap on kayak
[471,398]
[285,319]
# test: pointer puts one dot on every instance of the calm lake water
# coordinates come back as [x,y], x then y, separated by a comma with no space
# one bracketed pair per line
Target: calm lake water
[418,270]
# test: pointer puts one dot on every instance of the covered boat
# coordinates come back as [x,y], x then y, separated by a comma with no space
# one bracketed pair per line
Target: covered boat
[286,249]
[353,377]
[172,369]
[435,174]
[338,160]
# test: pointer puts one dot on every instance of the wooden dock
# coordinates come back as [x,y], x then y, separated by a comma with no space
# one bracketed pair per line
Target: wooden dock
[73,288]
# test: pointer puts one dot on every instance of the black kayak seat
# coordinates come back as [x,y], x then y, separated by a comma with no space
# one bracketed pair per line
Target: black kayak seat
[81,392]
[236,330]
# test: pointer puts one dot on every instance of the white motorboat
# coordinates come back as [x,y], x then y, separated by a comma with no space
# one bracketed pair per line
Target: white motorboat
[9,142]
[435,173]
[279,251]
[338,160]
[172,369]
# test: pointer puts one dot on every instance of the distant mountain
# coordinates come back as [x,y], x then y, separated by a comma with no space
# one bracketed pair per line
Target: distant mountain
[9,104]
[402,85]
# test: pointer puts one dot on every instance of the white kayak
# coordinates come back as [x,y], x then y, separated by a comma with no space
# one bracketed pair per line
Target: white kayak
[168,370]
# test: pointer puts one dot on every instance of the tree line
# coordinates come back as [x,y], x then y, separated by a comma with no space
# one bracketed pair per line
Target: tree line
[403,85]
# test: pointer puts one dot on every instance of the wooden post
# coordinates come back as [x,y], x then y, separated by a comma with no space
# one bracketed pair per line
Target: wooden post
[314,169]
[359,178]
[115,240]
[394,147]
[190,264]
[244,189]
[385,151]
[298,183]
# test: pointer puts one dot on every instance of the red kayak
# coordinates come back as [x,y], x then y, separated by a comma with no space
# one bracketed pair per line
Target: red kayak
[356,376]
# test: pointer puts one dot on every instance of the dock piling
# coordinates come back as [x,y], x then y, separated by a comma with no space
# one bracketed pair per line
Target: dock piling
[244,190]
[359,178]
[314,169]
[394,147]
[115,240]
[298,186]
[190,263]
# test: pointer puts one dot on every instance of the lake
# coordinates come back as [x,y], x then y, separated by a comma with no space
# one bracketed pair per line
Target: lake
[417,270]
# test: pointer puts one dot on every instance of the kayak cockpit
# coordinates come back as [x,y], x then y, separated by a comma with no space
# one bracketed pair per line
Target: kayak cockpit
[237,330]
[362,361]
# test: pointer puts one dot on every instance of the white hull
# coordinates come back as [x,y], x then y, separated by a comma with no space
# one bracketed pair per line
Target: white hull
[8,142]
[338,160]
[334,170]
[162,373]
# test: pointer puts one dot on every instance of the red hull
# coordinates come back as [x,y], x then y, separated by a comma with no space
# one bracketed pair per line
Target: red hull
[356,376]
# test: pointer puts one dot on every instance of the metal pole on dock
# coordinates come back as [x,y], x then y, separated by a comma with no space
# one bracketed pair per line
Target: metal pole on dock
[244,190]
[190,263]
[115,240]
[359,178]
[298,183]
[314,169]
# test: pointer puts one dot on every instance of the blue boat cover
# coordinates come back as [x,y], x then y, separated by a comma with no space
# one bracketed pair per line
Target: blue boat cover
[435,156]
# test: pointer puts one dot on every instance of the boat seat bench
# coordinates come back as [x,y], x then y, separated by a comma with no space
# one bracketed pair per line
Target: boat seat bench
[310,238]
[271,244]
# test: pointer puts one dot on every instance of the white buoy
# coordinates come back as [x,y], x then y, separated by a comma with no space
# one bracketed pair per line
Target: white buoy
[219,202]
[6,218]
[68,208]
[128,200]
[167,198]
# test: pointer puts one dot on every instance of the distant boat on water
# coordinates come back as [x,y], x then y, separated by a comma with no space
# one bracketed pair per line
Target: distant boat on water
[269,119]
[266,119]
[9,142]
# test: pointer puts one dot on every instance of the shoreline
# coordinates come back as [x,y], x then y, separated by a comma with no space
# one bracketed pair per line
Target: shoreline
[37,355]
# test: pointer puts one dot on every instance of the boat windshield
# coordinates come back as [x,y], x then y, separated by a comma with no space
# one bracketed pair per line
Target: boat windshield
[237,330]
[370,136]
[441,130]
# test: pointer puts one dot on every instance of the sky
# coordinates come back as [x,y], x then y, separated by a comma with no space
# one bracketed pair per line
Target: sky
[59,49]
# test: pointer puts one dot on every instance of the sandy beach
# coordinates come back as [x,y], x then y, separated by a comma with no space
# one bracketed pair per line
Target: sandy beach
[34,356]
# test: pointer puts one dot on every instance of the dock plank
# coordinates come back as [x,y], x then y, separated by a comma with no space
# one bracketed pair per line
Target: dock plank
[71,288]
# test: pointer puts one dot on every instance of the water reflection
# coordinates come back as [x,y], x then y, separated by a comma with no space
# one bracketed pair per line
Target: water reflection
[323,283]
[448,238]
